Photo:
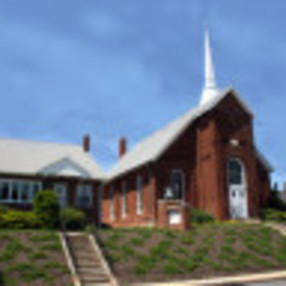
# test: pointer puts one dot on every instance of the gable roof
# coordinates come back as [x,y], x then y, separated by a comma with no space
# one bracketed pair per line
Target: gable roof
[32,158]
[154,146]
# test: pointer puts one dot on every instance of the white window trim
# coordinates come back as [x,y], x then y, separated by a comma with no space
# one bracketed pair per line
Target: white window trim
[124,199]
[111,203]
[183,182]
[90,194]
[139,195]
[10,182]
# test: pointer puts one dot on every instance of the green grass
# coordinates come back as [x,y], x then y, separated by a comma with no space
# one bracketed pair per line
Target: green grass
[33,256]
[13,248]
[218,247]
[137,240]
[29,272]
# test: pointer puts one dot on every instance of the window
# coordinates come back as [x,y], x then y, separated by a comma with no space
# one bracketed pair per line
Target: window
[139,201]
[177,184]
[235,172]
[18,191]
[124,200]
[4,190]
[61,192]
[84,196]
[25,191]
[111,204]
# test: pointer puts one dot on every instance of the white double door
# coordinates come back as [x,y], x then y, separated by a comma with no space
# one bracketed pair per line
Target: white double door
[238,201]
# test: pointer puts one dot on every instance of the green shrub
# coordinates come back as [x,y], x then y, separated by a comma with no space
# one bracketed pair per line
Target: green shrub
[274,215]
[16,219]
[72,218]
[47,209]
[199,216]
[4,209]
[275,202]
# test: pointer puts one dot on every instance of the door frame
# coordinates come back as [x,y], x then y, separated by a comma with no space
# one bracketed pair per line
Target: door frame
[242,187]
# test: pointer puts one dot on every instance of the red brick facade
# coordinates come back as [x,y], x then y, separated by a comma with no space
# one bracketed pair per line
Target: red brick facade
[201,153]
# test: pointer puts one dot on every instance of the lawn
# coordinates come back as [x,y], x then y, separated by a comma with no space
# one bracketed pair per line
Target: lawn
[32,258]
[139,255]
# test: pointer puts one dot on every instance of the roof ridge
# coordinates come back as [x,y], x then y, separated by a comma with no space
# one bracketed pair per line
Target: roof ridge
[40,142]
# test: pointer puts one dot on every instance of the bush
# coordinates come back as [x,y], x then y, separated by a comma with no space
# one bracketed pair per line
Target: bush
[72,218]
[4,209]
[274,215]
[46,208]
[19,220]
[275,202]
[200,216]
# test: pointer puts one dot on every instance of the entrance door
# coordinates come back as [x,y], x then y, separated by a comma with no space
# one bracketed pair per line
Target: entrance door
[237,189]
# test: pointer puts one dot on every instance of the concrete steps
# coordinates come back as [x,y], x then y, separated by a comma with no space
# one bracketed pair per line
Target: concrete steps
[87,261]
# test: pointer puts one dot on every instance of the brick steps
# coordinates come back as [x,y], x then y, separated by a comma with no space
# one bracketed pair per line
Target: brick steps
[87,261]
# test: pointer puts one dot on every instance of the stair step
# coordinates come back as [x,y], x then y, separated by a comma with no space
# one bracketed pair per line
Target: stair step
[94,278]
[87,263]
[91,271]
[96,284]
[88,260]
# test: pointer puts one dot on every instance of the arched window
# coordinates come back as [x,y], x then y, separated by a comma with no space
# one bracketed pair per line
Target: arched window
[177,184]
[235,172]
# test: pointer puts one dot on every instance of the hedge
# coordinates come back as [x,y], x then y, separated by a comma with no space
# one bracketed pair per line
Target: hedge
[16,219]
[46,208]
[72,218]
[274,215]
[199,216]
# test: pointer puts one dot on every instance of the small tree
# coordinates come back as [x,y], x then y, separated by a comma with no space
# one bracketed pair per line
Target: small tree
[73,219]
[275,202]
[47,209]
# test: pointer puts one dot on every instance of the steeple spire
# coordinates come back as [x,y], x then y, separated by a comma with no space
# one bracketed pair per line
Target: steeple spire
[209,90]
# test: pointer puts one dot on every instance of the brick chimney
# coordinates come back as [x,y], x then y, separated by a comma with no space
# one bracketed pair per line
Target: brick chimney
[122,147]
[86,143]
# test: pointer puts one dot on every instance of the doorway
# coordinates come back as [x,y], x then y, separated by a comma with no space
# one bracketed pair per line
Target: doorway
[237,189]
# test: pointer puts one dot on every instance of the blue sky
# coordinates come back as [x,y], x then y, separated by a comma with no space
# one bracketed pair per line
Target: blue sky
[128,67]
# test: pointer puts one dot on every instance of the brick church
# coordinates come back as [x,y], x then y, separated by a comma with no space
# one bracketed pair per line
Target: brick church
[205,159]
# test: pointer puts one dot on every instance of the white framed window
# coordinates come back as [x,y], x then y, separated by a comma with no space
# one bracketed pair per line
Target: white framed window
[61,192]
[18,191]
[139,201]
[177,185]
[84,196]
[124,199]
[111,203]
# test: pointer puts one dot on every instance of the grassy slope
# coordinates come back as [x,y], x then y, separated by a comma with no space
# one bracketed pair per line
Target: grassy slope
[32,258]
[210,250]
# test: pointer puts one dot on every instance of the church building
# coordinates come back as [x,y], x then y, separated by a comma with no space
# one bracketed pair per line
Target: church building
[205,159]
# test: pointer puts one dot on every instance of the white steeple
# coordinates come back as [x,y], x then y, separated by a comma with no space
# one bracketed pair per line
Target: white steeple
[210,90]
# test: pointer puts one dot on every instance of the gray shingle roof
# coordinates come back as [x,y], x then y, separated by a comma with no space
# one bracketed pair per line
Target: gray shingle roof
[152,147]
[30,158]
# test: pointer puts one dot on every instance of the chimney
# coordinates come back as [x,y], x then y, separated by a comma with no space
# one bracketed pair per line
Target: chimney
[122,147]
[86,143]
[284,188]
